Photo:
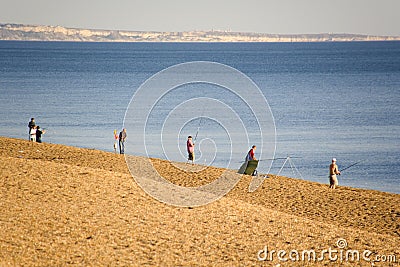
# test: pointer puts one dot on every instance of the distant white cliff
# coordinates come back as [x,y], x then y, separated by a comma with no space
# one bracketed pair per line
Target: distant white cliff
[10,31]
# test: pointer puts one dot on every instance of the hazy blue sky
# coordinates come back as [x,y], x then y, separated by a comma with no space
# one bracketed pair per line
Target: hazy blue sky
[379,17]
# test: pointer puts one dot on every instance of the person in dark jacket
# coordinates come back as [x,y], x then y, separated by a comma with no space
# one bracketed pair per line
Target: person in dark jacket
[31,124]
[39,133]
[122,137]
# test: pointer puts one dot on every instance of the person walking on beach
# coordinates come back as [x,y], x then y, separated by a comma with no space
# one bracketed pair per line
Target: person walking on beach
[190,149]
[333,171]
[39,133]
[122,137]
[31,124]
[250,154]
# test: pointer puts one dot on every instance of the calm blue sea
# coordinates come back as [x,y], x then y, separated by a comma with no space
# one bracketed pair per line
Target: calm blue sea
[328,99]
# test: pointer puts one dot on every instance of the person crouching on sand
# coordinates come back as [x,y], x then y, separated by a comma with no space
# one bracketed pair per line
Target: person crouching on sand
[333,171]
[190,149]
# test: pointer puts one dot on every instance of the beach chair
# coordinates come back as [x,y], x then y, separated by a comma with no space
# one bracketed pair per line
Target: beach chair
[249,167]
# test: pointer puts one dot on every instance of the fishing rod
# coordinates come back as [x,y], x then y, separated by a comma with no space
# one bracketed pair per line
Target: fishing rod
[285,158]
[352,165]
[198,128]
[274,159]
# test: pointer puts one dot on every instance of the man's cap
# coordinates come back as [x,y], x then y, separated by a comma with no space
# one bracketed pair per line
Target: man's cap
[189,136]
[334,159]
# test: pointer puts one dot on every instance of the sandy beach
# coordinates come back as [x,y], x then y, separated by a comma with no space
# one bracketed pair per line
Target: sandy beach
[64,205]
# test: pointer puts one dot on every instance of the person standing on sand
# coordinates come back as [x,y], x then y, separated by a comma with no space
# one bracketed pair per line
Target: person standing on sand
[33,134]
[250,155]
[333,171]
[122,137]
[116,137]
[31,124]
[39,133]
[190,149]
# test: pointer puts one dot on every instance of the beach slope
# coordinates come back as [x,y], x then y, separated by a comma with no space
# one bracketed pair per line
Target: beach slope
[63,205]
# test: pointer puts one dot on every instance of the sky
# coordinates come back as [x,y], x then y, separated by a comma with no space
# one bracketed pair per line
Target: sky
[373,17]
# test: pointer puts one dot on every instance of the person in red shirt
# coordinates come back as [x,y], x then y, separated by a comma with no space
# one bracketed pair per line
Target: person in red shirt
[250,155]
[190,149]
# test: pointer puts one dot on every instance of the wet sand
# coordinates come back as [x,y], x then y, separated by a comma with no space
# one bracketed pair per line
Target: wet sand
[63,205]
